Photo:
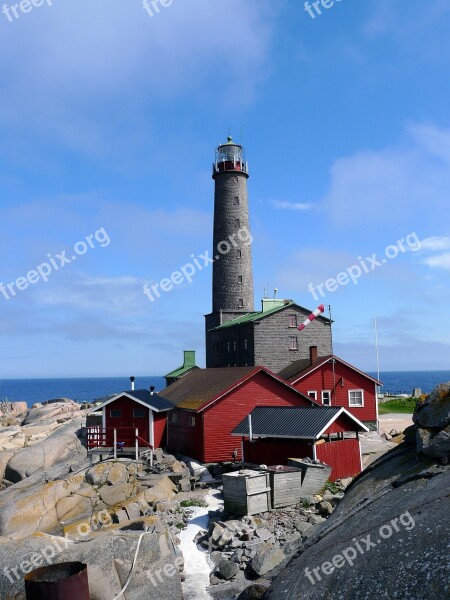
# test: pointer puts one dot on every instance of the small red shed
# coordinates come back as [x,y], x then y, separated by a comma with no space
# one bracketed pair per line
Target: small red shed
[130,418]
[273,434]
[211,402]
[331,381]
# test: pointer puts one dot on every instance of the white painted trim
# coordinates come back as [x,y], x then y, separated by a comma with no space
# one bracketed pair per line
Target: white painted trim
[362,398]
[313,392]
[360,455]
[321,396]
[376,405]
[343,362]
[314,452]
[104,418]
[151,426]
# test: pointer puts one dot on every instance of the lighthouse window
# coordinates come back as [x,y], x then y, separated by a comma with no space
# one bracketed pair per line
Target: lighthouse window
[239,253]
[293,343]
[234,346]
[245,344]
[236,200]
[241,303]
[292,320]
[240,279]
[237,222]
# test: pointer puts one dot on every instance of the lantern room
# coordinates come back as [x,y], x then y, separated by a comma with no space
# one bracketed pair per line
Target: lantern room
[230,157]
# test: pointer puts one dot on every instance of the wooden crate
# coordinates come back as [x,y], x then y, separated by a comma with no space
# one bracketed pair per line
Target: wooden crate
[286,485]
[314,476]
[246,492]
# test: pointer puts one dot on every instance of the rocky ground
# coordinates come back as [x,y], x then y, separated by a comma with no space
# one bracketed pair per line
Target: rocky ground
[253,549]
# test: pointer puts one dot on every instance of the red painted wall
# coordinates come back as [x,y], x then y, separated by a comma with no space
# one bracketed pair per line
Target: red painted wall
[223,416]
[343,456]
[126,405]
[184,437]
[160,429]
[322,379]
[275,451]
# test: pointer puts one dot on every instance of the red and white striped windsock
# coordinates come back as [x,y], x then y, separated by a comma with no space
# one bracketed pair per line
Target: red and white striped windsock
[319,310]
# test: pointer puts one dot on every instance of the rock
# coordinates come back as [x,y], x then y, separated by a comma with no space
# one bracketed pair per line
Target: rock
[303,527]
[226,569]
[378,506]
[133,510]
[13,409]
[434,444]
[109,556]
[316,520]
[98,474]
[267,558]
[117,474]
[434,411]
[292,543]
[326,508]
[60,445]
[33,508]
[4,460]
[346,482]
[60,410]
[72,507]
[115,494]
[255,591]
[263,533]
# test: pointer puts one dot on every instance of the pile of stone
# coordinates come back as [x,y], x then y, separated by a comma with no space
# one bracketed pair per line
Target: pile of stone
[251,547]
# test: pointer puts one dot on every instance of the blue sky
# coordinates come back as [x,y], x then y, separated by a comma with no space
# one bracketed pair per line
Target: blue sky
[109,119]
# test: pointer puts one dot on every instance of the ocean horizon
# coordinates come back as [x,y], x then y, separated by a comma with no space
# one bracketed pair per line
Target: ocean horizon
[88,389]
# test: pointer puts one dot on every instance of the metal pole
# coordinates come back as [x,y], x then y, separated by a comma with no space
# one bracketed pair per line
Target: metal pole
[137,444]
[115,443]
[250,428]
[332,354]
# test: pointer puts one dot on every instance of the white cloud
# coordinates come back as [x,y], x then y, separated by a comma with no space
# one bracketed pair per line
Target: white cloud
[296,206]
[436,243]
[441,261]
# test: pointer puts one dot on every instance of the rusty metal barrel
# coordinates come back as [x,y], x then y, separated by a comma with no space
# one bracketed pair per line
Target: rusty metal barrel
[63,581]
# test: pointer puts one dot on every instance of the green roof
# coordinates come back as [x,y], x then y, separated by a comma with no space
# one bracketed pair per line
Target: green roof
[189,363]
[253,316]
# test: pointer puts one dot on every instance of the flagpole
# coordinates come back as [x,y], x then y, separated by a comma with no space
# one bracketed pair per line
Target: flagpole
[332,353]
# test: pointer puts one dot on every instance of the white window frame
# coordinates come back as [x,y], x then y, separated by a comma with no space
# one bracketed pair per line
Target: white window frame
[293,339]
[329,396]
[191,421]
[356,405]
[312,394]
[294,317]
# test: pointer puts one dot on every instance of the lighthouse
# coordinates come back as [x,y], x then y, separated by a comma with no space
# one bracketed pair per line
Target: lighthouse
[232,289]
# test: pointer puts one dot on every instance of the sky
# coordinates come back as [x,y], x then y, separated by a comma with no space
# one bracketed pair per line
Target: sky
[110,116]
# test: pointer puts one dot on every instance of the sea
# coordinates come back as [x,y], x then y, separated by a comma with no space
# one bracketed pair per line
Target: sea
[93,388]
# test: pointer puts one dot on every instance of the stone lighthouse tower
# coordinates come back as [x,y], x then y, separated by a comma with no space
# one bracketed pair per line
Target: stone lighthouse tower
[232,290]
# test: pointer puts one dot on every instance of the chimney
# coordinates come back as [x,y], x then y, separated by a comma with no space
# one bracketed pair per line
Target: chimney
[313,355]
[152,389]
[132,383]
[189,358]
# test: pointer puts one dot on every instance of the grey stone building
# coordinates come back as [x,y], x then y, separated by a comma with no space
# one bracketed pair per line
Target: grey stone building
[236,334]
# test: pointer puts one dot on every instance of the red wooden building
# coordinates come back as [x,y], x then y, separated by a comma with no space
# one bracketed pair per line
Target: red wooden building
[333,382]
[131,419]
[211,402]
[273,434]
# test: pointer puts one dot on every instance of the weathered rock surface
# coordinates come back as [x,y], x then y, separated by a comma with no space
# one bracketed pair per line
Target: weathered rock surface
[266,559]
[60,445]
[434,411]
[58,410]
[397,512]
[109,557]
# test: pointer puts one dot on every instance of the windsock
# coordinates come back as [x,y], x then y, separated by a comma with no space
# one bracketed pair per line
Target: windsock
[320,309]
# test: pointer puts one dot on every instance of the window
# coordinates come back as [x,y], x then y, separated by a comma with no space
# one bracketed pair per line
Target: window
[139,413]
[234,346]
[293,342]
[174,418]
[293,321]
[313,395]
[356,397]
[240,281]
[241,303]
[236,201]
[228,346]
[326,398]
[237,222]
[239,253]
[191,421]
[245,344]
[115,414]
